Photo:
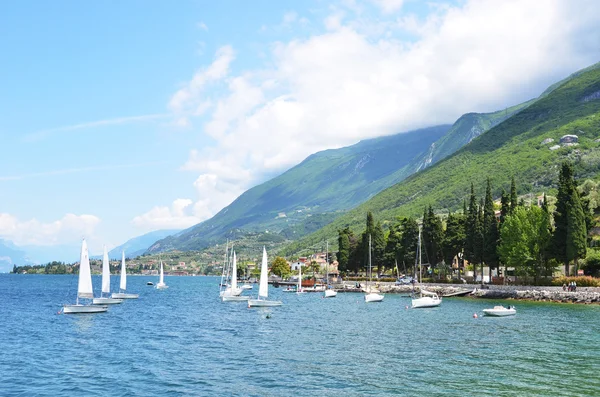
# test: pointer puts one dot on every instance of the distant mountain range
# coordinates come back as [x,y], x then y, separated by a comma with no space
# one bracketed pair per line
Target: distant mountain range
[138,245]
[313,193]
[328,183]
[11,255]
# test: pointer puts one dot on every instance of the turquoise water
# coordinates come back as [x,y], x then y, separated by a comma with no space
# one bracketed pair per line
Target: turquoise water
[184,341]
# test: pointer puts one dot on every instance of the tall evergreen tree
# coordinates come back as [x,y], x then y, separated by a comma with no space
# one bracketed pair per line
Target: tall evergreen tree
[343,254]
[566,185]
[479,239]
[378,246]
[513,194]
[432,237]
[454,238]
[470,228]
[576,230]
[393,246]
[504,206]
[408,243]
[490,230]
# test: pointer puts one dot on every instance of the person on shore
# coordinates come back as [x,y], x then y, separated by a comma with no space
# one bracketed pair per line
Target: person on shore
[564,287]
[574,286]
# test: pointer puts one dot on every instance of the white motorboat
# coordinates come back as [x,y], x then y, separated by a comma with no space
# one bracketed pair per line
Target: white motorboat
[500,311]
[263,287]
[123,284]
[104,299]
[371,295]
[84,287]
[330,293]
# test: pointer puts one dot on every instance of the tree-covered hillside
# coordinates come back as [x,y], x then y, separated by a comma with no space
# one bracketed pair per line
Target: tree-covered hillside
[514,147]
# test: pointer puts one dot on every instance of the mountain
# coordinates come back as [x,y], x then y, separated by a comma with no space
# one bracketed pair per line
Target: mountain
[11,255]
[518,146]
[138,245]
[313,193]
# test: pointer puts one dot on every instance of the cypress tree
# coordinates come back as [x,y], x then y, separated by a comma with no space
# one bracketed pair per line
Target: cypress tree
[408,243]
[343,254]
[566,185]
[454,238]
[378,246]
[393,246]
[470,227]
[479,238]
[490,230]
[576,230]
[513,194]
[504,206]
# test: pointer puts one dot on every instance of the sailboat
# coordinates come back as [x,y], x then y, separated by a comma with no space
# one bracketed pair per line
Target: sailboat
[329,292]
[371,295]
[426,298]
[161,282]
[123,284]
[263,289]
[233,293]
[228,280]
[104,299]
[299,289]
[84,287]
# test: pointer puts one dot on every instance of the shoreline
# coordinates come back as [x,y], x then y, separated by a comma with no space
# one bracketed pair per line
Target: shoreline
[583,295]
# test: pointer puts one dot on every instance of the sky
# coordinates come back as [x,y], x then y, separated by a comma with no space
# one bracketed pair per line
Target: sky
[123,117]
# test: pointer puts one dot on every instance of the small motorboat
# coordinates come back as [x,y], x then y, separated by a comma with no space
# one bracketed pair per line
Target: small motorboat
[500,311]
[149,283]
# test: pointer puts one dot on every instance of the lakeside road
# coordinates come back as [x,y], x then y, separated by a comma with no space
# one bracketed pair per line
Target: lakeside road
[583,295]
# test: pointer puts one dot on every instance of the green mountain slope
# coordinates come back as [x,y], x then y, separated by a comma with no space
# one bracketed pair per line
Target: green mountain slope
[312,194]
[514,147]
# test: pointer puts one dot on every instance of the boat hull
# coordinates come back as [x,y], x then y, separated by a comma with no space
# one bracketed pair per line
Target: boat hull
[329,293]
[106,301]
[263,303]
[82,309]
[240,298]
[425,301]
[373,297]
[123,295]
[161,286]
[499,313]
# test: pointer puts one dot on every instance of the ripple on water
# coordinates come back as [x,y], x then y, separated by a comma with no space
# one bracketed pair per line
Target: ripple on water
[184,341]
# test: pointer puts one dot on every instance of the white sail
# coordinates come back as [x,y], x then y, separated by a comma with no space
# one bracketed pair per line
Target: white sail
[84,288]
[123,285]
[105,273]
[162,276]
[263,289]
[234,274]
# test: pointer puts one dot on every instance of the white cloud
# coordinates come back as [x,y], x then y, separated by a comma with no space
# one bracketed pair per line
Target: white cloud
[360,80]
[33,232]
[389,6]
[38,135]
[187,99]
[178,216]
[201,25]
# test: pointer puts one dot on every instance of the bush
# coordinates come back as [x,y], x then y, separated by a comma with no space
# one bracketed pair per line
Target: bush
[582,281]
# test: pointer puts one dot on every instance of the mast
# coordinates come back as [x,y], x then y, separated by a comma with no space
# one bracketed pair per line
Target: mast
[370,272]
[420,267]
[326,264]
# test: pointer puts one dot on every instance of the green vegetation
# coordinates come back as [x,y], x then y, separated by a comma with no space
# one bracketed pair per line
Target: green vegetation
[512,148]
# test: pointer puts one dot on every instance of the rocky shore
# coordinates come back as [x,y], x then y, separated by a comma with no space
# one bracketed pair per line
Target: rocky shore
[583,295]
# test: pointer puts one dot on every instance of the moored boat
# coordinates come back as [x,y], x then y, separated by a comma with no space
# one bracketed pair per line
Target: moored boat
[500,311]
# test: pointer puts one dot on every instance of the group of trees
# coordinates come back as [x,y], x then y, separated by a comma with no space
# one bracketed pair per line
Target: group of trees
[527,238]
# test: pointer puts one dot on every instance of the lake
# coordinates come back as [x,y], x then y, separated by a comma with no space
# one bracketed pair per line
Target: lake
[185,341]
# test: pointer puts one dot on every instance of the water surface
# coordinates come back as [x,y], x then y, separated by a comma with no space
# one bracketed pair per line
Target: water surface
[184,341]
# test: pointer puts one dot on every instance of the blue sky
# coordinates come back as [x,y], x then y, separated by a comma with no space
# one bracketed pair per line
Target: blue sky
[120,118]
